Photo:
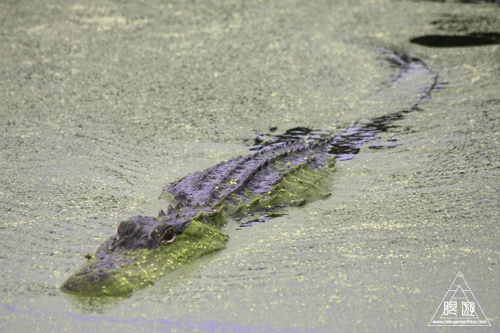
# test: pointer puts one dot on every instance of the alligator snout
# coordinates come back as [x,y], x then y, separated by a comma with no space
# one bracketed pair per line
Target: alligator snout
[89,281]
[118,271]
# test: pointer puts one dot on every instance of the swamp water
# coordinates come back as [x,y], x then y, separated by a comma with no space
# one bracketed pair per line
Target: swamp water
[103,104]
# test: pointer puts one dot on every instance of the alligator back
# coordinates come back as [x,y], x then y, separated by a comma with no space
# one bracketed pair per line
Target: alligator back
[286,174]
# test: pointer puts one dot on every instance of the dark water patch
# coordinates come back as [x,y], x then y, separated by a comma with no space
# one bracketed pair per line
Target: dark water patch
[473,39]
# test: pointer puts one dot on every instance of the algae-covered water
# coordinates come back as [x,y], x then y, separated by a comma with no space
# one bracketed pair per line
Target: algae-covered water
[104,102]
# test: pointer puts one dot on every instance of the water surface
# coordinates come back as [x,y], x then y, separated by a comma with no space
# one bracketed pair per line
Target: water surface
[104,103]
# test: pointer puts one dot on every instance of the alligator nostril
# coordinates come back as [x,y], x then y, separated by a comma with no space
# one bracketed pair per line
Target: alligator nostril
[168,235]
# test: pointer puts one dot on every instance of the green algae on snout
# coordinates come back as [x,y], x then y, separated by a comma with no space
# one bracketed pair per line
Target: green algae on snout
[145,265]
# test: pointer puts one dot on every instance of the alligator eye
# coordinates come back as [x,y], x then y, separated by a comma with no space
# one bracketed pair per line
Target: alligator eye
[168,235]
[125,228]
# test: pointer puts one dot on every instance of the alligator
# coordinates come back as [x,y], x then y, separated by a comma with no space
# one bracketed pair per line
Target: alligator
[286,174]
[277,176]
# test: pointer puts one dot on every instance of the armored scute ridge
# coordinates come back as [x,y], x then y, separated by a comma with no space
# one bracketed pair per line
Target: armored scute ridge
[145,248]
[247,180]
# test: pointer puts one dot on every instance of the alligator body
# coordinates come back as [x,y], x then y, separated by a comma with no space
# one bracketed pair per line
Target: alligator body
[144,248]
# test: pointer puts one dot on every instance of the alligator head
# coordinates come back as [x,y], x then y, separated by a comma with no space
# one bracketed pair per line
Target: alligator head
[142,248]
[146,232]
